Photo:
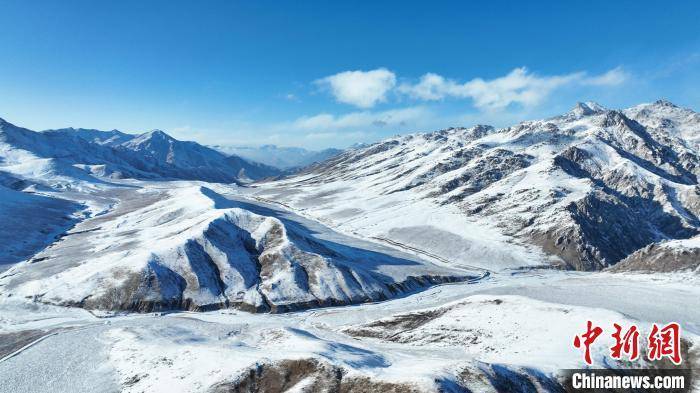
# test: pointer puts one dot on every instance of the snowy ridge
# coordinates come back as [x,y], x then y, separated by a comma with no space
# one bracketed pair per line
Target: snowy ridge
[587,188]
[109,138]
[190,248]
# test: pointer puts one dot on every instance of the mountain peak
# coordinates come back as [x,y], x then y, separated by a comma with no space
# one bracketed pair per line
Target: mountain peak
[158,133]
[154,136]
[480,130]
[665,103]
[587,108]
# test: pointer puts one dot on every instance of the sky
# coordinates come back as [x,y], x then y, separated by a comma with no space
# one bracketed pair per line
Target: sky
[330,74]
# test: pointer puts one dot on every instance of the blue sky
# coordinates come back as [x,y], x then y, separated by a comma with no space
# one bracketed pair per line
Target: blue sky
[320,74]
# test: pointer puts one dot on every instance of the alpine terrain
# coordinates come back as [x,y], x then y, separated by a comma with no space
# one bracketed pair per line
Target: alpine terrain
[460,260]
[585,190]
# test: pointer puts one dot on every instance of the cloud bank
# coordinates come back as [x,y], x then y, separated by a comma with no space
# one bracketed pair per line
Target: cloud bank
[517,87]
[365,89]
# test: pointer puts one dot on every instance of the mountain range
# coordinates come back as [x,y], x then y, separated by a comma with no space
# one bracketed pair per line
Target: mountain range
[585,190]
[138,222]
[84,153]
[460,251]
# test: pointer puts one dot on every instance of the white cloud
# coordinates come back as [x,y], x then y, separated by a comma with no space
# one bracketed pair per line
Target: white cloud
[519,86]
[432,87]
[363,89]
[613,77]
[363,119]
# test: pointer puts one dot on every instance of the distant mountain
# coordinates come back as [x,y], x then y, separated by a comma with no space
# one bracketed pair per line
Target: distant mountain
[583,190]
[279,157]
[83,154]
[164,154]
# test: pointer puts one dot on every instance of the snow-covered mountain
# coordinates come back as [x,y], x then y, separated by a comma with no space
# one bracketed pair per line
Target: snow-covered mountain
[81,154]
[163,154]
[587,188]
[279,157]
[191,248]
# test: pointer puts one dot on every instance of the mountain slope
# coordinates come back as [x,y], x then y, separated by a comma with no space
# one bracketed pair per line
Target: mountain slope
[49,217]
[191,248]
[587,188]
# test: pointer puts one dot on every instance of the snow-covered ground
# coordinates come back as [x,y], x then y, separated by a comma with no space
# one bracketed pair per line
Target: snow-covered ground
[516,321]
[499,327]
[503,325]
